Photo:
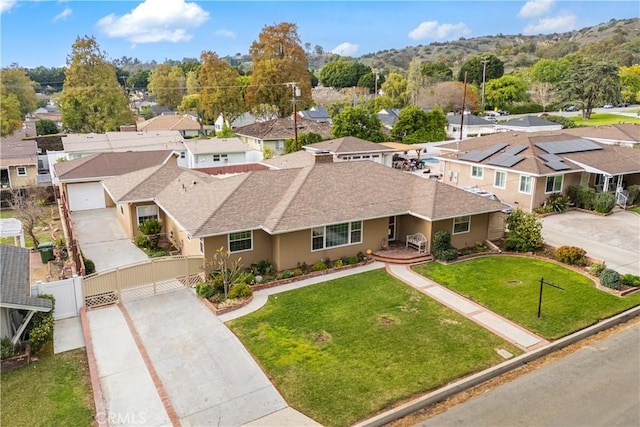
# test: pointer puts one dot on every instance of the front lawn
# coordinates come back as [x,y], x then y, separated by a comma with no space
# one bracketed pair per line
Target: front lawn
[344,349]
[602,119]
[53,391]
[510,286]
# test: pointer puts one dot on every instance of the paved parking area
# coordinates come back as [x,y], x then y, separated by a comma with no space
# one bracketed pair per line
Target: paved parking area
[614,239]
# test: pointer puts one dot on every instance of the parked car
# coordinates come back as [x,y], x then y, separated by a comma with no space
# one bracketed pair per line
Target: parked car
[607,106]
[503,112]
[571,108]
[623,104]
[487,195]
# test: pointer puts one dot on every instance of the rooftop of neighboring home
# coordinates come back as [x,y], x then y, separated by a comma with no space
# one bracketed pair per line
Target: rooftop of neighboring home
[543,153]
[469,120]
[18,152]
[623,132]
[348,145]
[299,159]
[287,200]
[215,145]
[528,122]
[388,116]
[14,281]
[170,122]
[318,113]
[122,141]
[282,128]
[103,165]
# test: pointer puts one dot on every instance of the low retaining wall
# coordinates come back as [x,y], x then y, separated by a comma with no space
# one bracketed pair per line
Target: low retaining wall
[15,362]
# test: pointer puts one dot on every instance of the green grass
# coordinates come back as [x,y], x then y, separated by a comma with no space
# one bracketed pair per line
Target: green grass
[601,119]
[510,286]
[53,391]
[636,209]
[42,236]
[341,350]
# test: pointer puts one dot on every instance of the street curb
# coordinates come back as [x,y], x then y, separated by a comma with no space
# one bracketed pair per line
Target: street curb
[98,400]
[479,378]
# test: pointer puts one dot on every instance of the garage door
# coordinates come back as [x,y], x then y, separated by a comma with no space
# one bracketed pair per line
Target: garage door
[88,195]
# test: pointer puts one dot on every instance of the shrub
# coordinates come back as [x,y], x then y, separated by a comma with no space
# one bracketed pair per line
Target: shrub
[158,252]
[6,348]
[527,107]
[604,202]
[240,290]
[564,121]
[151,228]
[303,267]
[262,268]
[297,272]
[582,196]
[442,248]
[630,280]
[205,290]
[352,260]
[319,266]
[448,254]
[572,193]
[556,202]
[596,268]
[89,266]
[634,194]
[610,278]
[141,241]
[571,255]
[360,256]
[285,274]
[338,263]
[250,278]
[525,232]
[41,331]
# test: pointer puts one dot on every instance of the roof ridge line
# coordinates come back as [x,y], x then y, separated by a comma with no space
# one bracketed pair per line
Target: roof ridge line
[244,176]
[287,196]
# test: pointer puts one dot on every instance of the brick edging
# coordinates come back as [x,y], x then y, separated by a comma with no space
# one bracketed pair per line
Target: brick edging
[218,311]
[98,400]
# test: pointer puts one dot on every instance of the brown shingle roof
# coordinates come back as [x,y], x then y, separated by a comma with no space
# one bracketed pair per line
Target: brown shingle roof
[619,132]
[18,153]
[348,144]
[169,122]
[282,128]
[109,164]
[299,159]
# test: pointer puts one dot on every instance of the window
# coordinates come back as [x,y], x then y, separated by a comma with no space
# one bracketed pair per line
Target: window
[554,184]
[21,170]
[477,172]
[462,224]
[330,236]
[279,145]
[146,213]
[183,154]
[122,210]
[525,184]
[220,157]
[500,180]
[201,246]
[241,241]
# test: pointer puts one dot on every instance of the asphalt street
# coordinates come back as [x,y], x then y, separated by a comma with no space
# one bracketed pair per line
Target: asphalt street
[598,385]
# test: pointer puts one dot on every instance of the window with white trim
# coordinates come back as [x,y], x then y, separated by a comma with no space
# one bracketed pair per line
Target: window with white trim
[147,212]
[220,158]
[477,172]
[241,241]
[279,145]
[331,236]
[461,224]
[500,180]
[21,171]
[201,246]
[554,184]
[525,184]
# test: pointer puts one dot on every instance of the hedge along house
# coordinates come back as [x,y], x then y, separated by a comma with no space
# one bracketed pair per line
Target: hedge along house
[524,169]
[300,215]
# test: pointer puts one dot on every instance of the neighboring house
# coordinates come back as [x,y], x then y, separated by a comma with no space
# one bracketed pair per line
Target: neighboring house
[527,124]
[388,117]
[79,179]
[273,133]
[318,113]
[472,126]
[17,306]
[243,120]
[186,124]
[300,215]
[206,153]
[79,145]
[625,134]
[18,163]
[524,169]
[351,148]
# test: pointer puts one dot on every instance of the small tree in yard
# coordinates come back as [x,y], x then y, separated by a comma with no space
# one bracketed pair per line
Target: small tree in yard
[225,271]
[29,208]
[525,232]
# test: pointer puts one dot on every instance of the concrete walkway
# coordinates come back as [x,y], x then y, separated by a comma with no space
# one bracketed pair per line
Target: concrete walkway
[500,326]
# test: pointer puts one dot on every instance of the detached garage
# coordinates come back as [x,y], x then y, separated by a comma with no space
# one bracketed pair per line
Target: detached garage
[86,195]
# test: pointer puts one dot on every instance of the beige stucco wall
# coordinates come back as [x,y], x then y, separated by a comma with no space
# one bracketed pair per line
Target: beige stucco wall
[407,224]
[178,237]
[261,251]
[30,180]
[477,233]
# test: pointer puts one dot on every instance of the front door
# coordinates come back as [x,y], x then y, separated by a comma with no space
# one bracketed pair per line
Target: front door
[392,229]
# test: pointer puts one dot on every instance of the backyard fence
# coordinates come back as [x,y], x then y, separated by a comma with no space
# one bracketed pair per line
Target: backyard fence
[74,247]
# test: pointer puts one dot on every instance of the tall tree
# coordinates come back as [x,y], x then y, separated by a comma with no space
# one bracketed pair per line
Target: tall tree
[343,72]
[193,86]
[415,125]
[358,122]
[91,98]
[396,88]
[542,93]
[588,83]
[50,79]
[474,68]
[448,96]
[168,85]
[278,59]
[139,80]
[220,92]
[549,70]
[16,81]
[10,117]
[505,90]
[630,81]
[192,104]
[436,71]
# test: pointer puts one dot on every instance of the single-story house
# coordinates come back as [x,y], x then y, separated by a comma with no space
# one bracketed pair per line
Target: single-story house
[300,215]
[527,124]
[18,163]
[244,119]
[186,124]
[212,152]
[524,169]
[17,306]
[388,117]
[79,179]
[272,134]
[318,113]
[472,126]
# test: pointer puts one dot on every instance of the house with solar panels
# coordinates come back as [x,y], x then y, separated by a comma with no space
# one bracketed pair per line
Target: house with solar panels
[524,169]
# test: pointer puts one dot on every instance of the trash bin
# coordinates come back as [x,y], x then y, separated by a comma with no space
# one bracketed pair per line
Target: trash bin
[46,251]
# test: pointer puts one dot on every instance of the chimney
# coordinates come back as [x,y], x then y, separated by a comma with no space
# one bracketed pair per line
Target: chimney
[323,157]
[128,128]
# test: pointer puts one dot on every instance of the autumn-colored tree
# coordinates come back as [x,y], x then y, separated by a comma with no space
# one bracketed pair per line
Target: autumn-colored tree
[278,58]
[16,81]
[220,92]
[168,84]
[192,83]
[92,100]
[448,96]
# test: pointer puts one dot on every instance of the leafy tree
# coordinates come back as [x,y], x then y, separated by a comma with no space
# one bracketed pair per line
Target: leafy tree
[378,103]
[630,81]
[313,78]
[29,208]
[49,79]
[190,65]
[549,70]
[525,232]
[415,125]
[16,81]
[139,79]
[193,86]
[396,88]
[220,93]
[278,58]
[588,83]
[343,72]
[369,81]
[265,112]
[91,98]
[168,85]
[147,112]
[542,93]
[505,90]
[226,131]
[10,117]
[303,139]
[435,72]
[474,69]
[358,122]
[192,104]
[46,127]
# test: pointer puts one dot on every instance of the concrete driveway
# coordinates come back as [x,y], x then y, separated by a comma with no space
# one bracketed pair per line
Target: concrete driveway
[103,240]
[614,239]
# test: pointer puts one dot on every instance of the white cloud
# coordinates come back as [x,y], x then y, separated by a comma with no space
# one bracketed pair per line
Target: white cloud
[156,21]
[534,8]
[63,15]
[6,5]
[435,30]
[346,49]
[555,24]
[226,33]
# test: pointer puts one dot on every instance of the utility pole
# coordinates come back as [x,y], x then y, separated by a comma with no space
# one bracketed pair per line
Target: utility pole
[484,77]
[375,94]
[295,91]
[464,101]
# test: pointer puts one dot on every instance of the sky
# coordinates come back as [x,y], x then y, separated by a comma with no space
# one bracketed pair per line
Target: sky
[41,32]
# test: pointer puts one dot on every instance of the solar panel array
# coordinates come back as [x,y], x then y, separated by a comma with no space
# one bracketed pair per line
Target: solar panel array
[506,160]
[554,162]
[568,146]
[515,149]
[480,155]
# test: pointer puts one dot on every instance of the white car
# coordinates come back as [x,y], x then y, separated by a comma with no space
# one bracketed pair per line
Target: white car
[607,106]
